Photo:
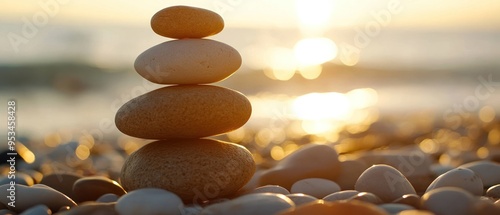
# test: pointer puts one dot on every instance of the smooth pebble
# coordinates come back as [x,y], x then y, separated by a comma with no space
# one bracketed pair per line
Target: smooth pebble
[493,191]
[384,181]
[309,161]
[317,187]
[271,189]
[367,197]
[340,207]
[488,171]
[394,208]
[149,201]
[459,177]
[188,61]
[27,197]
[196,170]
[92,208]
[252,204]
[300,198]
[448,201]
[409,199]
[37,210]
[341,195]
[184,111]
[186,22]
[91,188]
[108,198]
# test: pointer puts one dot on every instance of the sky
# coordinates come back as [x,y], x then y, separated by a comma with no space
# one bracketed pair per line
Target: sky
[265,13]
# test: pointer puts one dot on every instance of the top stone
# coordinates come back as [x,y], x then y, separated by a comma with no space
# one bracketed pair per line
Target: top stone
[180,22]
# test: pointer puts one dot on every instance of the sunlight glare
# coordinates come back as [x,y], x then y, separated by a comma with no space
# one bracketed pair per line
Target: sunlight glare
[282,64]
[310,72]
[314,13]
[314,51]
[317,106]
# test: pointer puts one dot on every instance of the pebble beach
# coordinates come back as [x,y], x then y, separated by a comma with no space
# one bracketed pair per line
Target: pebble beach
[185,149]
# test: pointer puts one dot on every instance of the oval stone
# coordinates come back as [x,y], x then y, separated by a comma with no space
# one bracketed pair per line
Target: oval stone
[91,188]
[459,177]
[194,169]
[186,22]
[385,182]
[188,61]
[185,111]
[448,200]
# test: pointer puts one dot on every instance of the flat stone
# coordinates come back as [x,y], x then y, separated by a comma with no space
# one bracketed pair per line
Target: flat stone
[195,169]
[186,22]
[185,111]
[309,161]
[149,201]
[188,61]
[91,188]
[384,181]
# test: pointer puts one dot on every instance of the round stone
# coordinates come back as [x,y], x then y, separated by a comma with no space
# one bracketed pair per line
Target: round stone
[186,22]
[91,188]
[188,61]
[149,201]
[384,181]
[460,177]
[317,187]
[185,111]
[195,169]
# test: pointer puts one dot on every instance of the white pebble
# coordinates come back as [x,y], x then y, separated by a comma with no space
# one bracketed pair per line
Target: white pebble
[149,201]
[317,187]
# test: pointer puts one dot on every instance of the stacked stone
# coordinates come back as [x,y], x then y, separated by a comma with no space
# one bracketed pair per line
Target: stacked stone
[183,161]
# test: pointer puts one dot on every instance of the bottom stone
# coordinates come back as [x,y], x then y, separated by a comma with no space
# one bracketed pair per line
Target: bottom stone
[195,169]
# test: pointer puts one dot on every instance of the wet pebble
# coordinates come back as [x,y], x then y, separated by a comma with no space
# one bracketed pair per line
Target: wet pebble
[341,195]
[300,198]
[271,189]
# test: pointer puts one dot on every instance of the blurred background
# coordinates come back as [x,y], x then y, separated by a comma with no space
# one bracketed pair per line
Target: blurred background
[357,74]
